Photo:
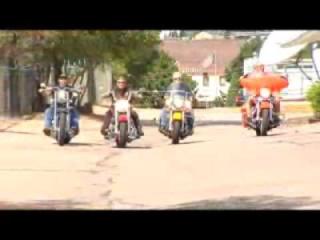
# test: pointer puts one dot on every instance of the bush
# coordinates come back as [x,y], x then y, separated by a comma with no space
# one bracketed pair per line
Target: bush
[235,70]
[220,101]
[313,96]
[150,100]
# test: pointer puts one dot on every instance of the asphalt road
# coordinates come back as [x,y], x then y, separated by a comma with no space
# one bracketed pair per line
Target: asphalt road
[219,167]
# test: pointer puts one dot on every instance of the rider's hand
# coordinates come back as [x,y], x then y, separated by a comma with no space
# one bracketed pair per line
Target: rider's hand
[106,95]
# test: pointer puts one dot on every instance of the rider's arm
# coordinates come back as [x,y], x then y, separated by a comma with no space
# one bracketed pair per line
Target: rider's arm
[132,97]
[46,91]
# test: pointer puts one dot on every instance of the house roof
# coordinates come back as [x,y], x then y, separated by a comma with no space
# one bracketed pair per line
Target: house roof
[198,56]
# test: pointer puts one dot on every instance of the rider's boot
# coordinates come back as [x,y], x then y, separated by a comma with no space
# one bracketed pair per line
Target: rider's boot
[245,120]
[106,122]
[47,131]
[140,131]
[276,118]
[75,131]
[138,126]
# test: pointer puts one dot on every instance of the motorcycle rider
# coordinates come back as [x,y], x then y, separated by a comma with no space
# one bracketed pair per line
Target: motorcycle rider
[121,91]
[176,85]
[250,103]
[63,81]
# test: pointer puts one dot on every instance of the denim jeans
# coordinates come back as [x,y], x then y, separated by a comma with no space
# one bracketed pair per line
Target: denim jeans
[48,118]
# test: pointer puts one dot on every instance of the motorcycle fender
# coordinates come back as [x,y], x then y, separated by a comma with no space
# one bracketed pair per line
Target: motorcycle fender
[265,105]
[122,118]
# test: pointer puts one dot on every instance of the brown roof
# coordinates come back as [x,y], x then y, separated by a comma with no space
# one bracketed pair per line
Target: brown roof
[197,56]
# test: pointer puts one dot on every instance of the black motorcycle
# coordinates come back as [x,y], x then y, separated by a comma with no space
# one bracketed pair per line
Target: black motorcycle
[63,102]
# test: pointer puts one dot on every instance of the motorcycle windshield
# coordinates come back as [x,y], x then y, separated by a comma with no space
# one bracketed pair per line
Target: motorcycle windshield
[178,94]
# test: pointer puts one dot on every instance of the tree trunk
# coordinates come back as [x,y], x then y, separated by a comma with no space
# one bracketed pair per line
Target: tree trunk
[57,64]
[3,92]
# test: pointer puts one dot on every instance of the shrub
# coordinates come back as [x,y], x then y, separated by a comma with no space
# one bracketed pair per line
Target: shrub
[313,96]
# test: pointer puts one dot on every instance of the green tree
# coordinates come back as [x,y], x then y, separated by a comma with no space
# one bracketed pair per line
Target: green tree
[121,49]
[159,74]
[235,70]
[313,96]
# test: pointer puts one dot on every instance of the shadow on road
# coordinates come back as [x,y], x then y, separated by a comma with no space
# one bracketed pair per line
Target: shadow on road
[192,142]
[134,147]
[84,144]
[250,203]
[43,205]
[15,132]
[275,134]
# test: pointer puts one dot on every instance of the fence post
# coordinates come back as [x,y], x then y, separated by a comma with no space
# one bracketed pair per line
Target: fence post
[27,86]
[3,92]
[14,92]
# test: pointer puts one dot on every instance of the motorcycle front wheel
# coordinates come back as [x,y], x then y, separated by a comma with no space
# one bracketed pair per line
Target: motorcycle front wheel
[265,122]
[122,138]
[176,128]
[62,128]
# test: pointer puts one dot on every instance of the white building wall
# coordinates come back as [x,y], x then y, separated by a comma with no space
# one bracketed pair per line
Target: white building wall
[214,88]
[299,84]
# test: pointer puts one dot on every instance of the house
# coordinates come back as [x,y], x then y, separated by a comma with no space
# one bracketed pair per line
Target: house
[169,34]
[205,61]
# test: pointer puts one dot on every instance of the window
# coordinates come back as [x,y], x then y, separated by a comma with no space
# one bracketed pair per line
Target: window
[205,81]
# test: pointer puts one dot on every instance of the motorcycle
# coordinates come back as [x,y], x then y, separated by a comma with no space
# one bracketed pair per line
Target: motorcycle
[262,118]
[179,105]
[64,100]
[122,129]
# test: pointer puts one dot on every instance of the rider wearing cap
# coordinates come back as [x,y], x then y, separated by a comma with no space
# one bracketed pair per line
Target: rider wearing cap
[121,91]
[176,85]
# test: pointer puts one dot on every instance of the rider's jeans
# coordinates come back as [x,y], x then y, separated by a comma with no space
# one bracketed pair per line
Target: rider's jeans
[164,119]
[48,118]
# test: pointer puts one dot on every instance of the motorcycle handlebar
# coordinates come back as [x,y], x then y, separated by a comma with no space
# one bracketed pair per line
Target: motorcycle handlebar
[67,89]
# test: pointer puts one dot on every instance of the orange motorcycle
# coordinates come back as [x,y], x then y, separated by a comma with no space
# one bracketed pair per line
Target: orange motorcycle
[262,118]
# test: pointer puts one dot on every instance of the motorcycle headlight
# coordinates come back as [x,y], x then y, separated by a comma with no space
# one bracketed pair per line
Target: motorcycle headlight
[265,92]
[122,106]
[178,102]
[62,96]
[188,104]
